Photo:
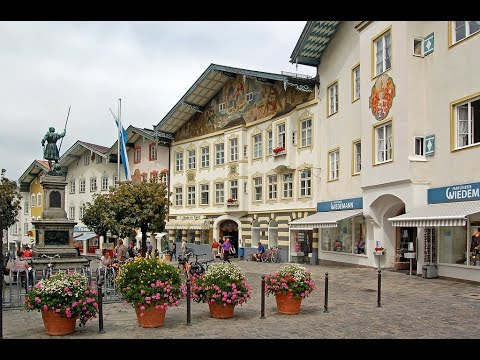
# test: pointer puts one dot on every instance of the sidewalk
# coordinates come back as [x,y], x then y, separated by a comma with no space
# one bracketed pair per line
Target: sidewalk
[412,307]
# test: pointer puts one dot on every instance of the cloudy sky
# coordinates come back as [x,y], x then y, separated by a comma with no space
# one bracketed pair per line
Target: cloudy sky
[47,66]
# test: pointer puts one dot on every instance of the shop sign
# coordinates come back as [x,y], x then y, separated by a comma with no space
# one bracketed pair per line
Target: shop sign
[80,228]
[464,192]
[345,204]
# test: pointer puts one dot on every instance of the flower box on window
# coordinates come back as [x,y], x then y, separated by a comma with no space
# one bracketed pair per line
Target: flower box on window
[379,251]
[232,202]
[279,151]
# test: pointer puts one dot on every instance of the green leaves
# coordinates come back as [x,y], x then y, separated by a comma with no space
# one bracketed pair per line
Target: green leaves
[9,202]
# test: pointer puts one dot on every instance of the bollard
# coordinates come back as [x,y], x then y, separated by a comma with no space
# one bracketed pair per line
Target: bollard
[100,308]
[326,293]
[379,288]
[1,286]
[189,312]
[262,309]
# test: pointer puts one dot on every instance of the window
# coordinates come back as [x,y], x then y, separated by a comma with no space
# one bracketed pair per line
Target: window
[104,183]
[82,211]
[26,207]
[137,155]
[452,245]
[418,47]
[144,177]
[281,136]
[72,186]
[332,99]
[221,106]
[164,178]
[98,159]
[272,187]
[306,132]
[25,229]
[467,123]
[71,213]
[257,146]
[305,182]
[205,156]
[115,181]
[178,196]
[383,135]
[257,183]
[191,159]
[39,200]
[82,185]
[464,29]
[287,185]
[419,145]
[245,151]
[204,191]
[219,154]
[294,137]
[34,200]
[357,157]
[179,161]
[191,195]
[219,193]
[249,96]
[234,189]
[93,184]
[154,177]
[356,83]
[86,160]
[382,53]
[333,164]
[233,149]
[152,152]
[348,237]
[269,142]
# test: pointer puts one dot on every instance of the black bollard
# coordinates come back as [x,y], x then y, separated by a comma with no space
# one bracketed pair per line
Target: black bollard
[379,288]
[262,309]
[1,282]
[189,311]
[326,293]
[100,308]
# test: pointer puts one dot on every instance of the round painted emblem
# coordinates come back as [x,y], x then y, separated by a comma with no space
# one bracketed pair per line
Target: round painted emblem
[381,97]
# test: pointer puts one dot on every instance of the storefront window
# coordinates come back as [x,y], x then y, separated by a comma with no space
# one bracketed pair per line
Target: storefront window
[255,233]
[452,245]
[347,237]
[178,235]
[272,234]
[302,241]
[191,236]
[204,237]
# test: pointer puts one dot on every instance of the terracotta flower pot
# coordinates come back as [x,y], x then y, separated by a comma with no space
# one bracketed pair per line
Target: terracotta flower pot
[287,304]
[56,324]
[151,317]
[220,311]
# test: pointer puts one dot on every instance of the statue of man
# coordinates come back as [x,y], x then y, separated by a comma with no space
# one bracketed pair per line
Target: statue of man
[50,152]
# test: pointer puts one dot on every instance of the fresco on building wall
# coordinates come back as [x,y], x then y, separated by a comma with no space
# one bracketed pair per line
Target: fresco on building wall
[381,97]
[268,99]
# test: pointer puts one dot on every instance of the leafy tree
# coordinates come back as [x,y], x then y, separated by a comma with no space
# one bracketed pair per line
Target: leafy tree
[142,206]
[9,201]
[98,216]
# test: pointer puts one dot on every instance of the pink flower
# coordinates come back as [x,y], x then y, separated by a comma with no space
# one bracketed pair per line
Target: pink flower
[142,291]
[142,307]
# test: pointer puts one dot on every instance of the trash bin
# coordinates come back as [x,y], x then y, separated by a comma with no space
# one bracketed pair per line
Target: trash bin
[429,271]
[241,253]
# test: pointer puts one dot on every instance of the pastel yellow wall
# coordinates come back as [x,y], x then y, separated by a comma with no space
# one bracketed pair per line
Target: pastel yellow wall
[36,188]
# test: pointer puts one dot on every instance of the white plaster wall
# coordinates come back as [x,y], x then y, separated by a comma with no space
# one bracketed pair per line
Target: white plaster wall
[146,165]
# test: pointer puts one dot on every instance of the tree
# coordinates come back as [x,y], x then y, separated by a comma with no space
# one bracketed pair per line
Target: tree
[98,216]
[9,201]
[142,205]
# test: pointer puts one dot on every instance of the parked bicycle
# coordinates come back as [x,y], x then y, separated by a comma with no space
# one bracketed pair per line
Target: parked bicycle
[199,267]
[271,255]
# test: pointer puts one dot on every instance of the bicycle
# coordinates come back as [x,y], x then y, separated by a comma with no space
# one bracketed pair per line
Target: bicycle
[197,267]
[271,255]
[48,272]
[87,271]
[183,265]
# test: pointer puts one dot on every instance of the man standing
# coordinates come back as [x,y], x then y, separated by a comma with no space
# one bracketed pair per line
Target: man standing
[122,251]
[227,246]
[215,246]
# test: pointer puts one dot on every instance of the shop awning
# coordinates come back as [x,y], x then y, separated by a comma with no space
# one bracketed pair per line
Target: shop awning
[76,234]
[197,224]
[86,236]
[444,214]
[323,219]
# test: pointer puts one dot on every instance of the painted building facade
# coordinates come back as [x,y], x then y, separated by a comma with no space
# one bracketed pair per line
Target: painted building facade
[407,93]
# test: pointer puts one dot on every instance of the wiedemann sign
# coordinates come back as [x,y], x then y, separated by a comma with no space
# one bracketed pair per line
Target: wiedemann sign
[463,192]
[345,204]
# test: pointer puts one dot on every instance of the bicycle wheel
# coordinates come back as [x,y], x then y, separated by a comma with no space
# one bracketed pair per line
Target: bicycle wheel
[264,257]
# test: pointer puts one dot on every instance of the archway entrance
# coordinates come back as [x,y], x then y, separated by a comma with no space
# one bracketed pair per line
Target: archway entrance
[229,228]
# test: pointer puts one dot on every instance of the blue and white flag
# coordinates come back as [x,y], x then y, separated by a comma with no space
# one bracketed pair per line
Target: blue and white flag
[123,151]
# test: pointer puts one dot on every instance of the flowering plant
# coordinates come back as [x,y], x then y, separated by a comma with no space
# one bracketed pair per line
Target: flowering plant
[66,294]
[230,200]
[223,283]
[278,149]
[145,282]
[291,277]
[379,249]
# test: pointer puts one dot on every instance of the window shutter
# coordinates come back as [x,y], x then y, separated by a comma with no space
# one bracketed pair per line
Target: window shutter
[428,44]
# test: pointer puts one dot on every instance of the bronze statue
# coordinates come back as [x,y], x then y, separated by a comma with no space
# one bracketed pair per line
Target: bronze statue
[50,151]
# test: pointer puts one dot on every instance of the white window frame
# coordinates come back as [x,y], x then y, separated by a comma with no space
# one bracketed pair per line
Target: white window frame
[357,157]
[179,161]
[205,151]
[98,159]
[39,200]
[272,187]
[249,97]
[71,212]
[382,40]
[219,193]
[282,135]
[234,189]
[191,195]
[234,149]
[204,190]
[115,181]
[93,184]
[468,32]
[305,183]
[332,93]
[257,146]
[287,180]
[104,183]
[258,189]
[415,40]
[419,146]
[306,133]
[72,187]
[269,142]
[356,83]
[82,211]
[333,164]
[220,154]
[178,196]
[137,155]
[221,107]
[81,186]
[33,202]
[469,121]
[25,229]
[86,160]
[384,143]
[26,207]
[153,152]
[192,159]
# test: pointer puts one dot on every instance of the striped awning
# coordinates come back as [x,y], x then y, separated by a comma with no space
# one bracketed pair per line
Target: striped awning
[325,219]
[444,214]
[185,224]
[86,236]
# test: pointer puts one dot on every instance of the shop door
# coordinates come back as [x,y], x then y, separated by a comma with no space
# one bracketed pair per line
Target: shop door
[406,238]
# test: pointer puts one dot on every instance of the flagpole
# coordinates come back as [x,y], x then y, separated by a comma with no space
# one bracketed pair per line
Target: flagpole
[119,130]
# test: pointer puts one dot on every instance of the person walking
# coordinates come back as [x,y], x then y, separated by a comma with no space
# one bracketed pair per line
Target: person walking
[215,246]
[174,251]
[122,251]
[149,249]
[183,248]
[227,246]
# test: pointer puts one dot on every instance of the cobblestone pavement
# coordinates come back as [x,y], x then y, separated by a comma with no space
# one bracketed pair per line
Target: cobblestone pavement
[412,308]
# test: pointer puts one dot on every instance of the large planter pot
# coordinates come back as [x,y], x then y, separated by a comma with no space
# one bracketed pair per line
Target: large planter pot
[287,304]
[220,311]
[56,324]
[151,317]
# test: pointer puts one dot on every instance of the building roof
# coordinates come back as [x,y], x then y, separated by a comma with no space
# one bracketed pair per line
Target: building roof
[213,79]
[75,151]
[133,135]
[313,41]
[36,168]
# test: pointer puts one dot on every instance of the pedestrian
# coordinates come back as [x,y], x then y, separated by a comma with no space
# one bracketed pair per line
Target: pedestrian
[227,246]
[220,249]
[174,251]
[122,251]
[131,251]
[149,248]
[215,246]
[27,253]
[76,245]
[183,248]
